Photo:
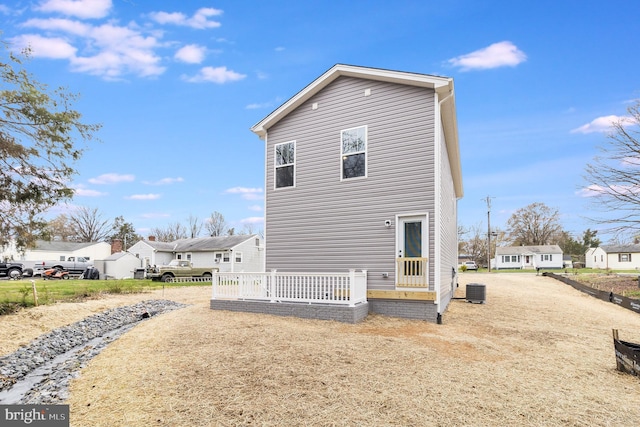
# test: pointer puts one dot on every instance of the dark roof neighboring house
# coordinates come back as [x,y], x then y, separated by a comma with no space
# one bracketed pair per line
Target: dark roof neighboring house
[523,250]
[201,244]
[614,249]
[44,245]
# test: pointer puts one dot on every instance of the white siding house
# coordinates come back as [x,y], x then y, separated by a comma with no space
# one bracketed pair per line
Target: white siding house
[363,173]
[61,251]
[614,257]
[226,253]
[529,257]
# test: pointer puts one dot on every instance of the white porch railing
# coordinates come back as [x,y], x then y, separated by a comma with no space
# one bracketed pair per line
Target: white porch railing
[312,288]
[412,272]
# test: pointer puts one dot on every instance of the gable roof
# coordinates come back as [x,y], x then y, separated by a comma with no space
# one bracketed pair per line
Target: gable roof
[44,245]
[443,87]
[524,250]
[118,255]
[201,244]
[612,249]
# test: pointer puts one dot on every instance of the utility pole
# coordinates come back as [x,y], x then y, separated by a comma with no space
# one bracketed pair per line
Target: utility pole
[488,200]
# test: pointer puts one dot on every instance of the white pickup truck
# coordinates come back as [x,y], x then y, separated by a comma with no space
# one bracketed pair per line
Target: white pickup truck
[74,265]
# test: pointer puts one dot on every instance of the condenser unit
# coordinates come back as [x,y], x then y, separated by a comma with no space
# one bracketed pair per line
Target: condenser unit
[476,293]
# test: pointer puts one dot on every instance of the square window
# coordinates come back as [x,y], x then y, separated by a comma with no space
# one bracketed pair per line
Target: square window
[284,164]
[354,152]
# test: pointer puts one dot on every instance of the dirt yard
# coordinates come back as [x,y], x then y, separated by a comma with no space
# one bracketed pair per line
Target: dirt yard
[538,353]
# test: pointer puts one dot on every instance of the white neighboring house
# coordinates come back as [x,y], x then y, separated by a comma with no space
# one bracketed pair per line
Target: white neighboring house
[615,257]
[227,253]
[60,251]
[529,257]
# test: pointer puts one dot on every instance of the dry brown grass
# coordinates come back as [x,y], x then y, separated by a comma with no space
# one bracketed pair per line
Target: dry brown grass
[538,353]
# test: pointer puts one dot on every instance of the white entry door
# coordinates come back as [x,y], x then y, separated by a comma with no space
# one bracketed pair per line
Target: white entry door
[412,232]
[412,250]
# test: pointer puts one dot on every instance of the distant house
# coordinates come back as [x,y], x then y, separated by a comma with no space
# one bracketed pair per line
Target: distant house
[61,251]
[615,257]
[363,175]
[227,253]
[529,257]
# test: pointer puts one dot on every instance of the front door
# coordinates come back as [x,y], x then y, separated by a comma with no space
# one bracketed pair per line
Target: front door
[412,251]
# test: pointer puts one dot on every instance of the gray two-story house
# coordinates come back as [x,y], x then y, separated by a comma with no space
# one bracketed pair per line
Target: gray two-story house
[363,172]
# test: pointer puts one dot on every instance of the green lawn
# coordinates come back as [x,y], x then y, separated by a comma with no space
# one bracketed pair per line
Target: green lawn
[19,293]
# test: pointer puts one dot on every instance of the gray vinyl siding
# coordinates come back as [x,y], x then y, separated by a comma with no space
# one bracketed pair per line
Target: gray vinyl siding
[448,254]
[324,224]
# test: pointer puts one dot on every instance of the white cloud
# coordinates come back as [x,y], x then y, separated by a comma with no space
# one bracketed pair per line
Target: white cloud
[199,20]
[252,220]
[191,54]
[598,190]
[43,47]
[603,124]
[255,208]
[85,192]
[256,105]
[111,51]
[218,75]
[164,181]
[112,178]
[121,50]
[246,192]
[65,25]
[149,196]
[84,9]
[497,55]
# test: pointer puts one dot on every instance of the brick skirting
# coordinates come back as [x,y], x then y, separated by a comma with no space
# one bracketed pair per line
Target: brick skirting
[340,313]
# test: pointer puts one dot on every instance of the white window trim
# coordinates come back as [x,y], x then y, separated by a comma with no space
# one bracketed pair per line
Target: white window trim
[276,166]
[237,255]
[366,153]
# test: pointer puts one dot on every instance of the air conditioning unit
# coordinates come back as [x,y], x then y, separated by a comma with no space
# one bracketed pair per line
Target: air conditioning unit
[476,293]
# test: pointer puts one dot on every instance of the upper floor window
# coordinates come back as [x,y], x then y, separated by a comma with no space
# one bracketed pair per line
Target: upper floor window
[285,156]
[354,152]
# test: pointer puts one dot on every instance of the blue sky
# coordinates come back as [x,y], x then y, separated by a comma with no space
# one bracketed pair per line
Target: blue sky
[177,85]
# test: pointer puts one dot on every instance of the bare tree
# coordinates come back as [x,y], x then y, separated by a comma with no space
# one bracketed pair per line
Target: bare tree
[195,226]
[536,224]
[170,233]
[216,224]
[89,226]
[613,178]
[60,228]
[476,245]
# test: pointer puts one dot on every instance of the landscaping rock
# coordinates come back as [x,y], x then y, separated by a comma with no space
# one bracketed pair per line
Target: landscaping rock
[39,373]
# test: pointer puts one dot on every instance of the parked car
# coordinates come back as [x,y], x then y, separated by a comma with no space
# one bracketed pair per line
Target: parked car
[471,265]
[12,270]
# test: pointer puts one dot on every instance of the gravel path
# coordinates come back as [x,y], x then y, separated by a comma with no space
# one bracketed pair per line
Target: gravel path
[39,373]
